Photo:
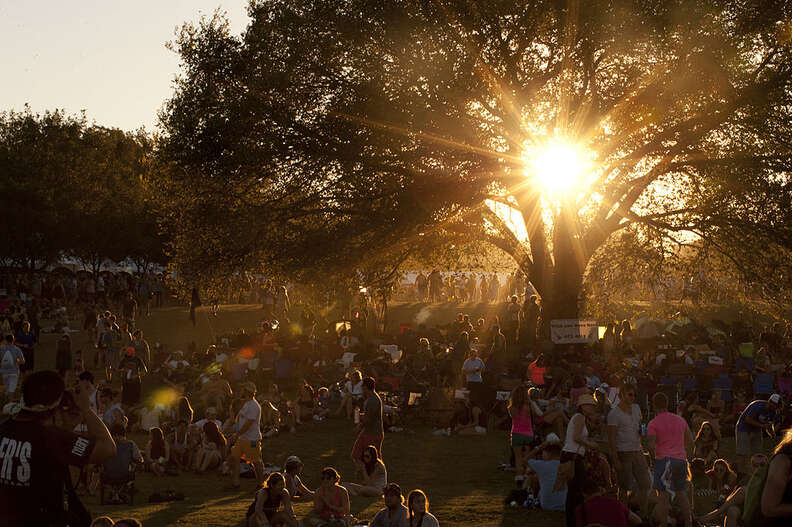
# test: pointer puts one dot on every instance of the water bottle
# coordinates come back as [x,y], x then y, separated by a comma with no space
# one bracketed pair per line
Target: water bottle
[357,414]
[643,429]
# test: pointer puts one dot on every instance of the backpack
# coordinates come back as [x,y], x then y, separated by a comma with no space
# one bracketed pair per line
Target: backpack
[752,507]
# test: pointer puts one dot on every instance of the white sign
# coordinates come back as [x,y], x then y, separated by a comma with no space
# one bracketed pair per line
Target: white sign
[573,331]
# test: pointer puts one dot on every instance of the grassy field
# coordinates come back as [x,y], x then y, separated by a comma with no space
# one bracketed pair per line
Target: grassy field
[458,473]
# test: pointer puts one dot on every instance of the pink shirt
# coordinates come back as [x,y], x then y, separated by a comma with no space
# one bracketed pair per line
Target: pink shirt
[521,422]
[670,432]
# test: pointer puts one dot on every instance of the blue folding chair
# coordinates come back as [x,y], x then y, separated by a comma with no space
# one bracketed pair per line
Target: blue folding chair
[764,383]
[283,368]
[744,364]
[725,384]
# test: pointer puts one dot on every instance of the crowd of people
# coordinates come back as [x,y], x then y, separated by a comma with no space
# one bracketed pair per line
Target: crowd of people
[628,429]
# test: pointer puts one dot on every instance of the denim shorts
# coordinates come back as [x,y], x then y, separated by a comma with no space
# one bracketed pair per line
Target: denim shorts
[670,475]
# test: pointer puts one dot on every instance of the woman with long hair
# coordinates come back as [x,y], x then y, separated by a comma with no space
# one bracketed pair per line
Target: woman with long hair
[184,410]
[522,430]
[722,478]
[375,475]
[706,443]
[213,446]
[272,504]
[578,441]
[418,510]
[157,452]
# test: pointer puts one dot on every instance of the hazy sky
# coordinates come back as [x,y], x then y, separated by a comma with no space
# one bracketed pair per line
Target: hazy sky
[107,57]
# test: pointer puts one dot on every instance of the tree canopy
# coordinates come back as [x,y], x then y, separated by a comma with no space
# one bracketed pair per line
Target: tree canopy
[74,189]
[332,133]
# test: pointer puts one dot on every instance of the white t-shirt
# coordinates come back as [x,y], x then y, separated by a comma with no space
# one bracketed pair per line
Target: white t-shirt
[355,389]
[250,411]
[471,364]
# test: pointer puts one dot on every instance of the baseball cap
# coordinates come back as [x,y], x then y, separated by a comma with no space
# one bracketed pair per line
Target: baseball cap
[775,399]
[552,439]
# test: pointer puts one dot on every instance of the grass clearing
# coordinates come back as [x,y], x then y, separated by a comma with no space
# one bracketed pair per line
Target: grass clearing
[458,473]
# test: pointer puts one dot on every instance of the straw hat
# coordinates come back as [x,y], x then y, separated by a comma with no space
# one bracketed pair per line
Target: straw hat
[586,399]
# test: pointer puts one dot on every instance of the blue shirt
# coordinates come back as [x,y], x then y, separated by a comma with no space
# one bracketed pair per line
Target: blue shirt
[547,472]
[759,411]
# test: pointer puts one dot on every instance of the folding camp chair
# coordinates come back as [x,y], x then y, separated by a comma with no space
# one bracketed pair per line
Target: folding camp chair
[744,364]
[763,383]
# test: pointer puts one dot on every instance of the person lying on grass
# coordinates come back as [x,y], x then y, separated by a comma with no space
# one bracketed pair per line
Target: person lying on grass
[375,475]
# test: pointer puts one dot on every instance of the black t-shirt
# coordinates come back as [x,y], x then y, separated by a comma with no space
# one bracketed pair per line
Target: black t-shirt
[33,461]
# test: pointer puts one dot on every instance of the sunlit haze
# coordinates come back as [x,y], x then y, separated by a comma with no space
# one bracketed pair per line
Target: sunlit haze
[108,58]
[558,166]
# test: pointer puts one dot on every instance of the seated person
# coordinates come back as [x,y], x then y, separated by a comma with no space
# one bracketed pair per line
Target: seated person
[216,391]
[597,509]
[467,418]
[352,395]
[542,475]
[331,500]
[375,476]
[157,452]
[213,448]
[394,514]
[322,408]
[732,507]
[272,504]
[291,473]
[178,440]
[304,410]
[118,470]
[706,443]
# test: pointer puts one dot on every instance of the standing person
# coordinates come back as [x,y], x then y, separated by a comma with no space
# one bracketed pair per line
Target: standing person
[130,309]
[195,303]
[624,427]
[530,316]
[142,349]
[421,287]
[35,472]
[670,442]
[512,326]
[247,441]
[522,432]
[63,354]
[472,369]
[11,358]
[26,341]
[371,430]
[418,510]
[758,417]
[574,449]
[132,369]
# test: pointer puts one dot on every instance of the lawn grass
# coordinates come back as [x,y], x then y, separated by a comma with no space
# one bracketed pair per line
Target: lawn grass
[458,473]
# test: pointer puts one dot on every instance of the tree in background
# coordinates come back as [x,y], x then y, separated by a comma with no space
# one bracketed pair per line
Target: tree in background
[330,133]
[74,189]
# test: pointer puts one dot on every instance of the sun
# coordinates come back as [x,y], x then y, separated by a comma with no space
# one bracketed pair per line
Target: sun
[558,167]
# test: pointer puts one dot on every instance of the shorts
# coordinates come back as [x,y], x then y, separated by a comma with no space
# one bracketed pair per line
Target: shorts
[250,450]
[364,440]
[748,443]
[670,475]
[520,440]
[10,382]
[634,471]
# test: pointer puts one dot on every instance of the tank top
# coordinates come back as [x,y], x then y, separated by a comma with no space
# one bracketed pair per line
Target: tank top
[522,423]
[570,445]
[325,511]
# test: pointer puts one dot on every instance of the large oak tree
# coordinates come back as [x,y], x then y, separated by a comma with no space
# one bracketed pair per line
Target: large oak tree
[331,131]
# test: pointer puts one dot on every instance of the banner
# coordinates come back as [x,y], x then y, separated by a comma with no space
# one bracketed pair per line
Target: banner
[573,331]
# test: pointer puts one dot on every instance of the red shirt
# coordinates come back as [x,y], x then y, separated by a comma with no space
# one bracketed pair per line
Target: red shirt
[606,511]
